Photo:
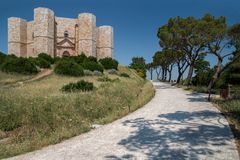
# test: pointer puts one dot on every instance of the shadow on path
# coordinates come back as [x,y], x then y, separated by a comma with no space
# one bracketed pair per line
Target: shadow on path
[178,135]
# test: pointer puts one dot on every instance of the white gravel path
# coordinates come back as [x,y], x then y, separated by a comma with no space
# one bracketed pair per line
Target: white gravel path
[175,124]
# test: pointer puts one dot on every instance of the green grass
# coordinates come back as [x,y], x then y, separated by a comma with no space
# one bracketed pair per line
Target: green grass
[37,114]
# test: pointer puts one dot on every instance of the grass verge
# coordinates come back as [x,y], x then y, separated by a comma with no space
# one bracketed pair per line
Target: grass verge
[37,114]
[231,110]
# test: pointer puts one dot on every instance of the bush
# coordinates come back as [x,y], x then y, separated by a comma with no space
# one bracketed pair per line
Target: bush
[92,59]
[124,75]
[2,57]
[80,58]
[46,57]
[105,79]
[57,59]
[92,66]
[88,73]
[40,62]
[113,71]
[21,65]
[109,63]
[97,73]
[70,68]
[79,86]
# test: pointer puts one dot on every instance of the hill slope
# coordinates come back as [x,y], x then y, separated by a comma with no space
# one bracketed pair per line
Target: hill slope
[38,113]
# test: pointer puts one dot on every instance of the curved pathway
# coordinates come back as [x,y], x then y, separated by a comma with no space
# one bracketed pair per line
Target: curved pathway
[175,124]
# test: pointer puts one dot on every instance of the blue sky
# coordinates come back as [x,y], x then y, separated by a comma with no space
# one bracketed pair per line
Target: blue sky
[135,22]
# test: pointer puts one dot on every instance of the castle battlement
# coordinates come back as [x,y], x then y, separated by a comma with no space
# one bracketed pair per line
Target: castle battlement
[58,36]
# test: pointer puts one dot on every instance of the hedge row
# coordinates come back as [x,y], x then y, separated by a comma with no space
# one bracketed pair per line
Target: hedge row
[72,66]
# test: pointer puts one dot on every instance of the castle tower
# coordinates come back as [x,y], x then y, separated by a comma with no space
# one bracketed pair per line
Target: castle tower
[43,31]
[87,34]
[17,37]
[104,42]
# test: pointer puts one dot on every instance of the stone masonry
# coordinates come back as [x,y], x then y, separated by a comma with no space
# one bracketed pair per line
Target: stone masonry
[59,36]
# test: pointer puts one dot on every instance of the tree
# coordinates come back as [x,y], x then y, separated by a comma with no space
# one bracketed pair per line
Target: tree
[220,39]
[157,63]
[150,68]
[186,36]
[138,63]
[203,73]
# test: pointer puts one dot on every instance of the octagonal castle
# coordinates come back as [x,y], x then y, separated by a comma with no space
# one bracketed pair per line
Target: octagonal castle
[59,36]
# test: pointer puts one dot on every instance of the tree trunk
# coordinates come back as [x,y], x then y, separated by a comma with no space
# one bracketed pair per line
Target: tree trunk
[151,73]
[190,73]
[215,77]
[158,73]
[170,73]
[163,73]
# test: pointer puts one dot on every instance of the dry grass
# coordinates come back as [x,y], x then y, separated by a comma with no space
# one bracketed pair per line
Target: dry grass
[38,113]
[12,78]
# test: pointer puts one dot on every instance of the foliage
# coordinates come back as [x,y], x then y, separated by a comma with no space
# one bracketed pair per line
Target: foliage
[203,73]
[97,73]
[40,62]
[88,72]
[2,57]
[109,63]
[124,75]
[138,63]
[78,86]
[105,79]
[46,57]
[92,59]
[71,68]
[113,71]
[80,58]
[92,66]
[13,64]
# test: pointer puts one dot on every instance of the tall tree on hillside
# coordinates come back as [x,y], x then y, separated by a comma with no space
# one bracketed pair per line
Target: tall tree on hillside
[186,36]
[221,38]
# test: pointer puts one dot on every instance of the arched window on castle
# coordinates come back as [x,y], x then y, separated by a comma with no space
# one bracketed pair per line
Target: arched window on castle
[66,34]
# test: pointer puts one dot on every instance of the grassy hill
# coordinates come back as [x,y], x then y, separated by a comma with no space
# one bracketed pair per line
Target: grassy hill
[37,113]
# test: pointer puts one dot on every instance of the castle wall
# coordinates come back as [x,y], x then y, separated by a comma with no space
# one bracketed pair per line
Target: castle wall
[17,39]
[87,34]
[46,34]
[104,42]
[44,26]
[62,25]
[30,39]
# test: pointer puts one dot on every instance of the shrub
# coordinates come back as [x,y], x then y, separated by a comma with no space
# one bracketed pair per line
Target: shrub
[113,71]
[40,62]
[97,73]
[124,75]
[92,66]
[109,63]
[2,57]
[80,58]
[46,57]
[88,73]
[92,59]
[79,86]
[57,59]
[12,64]
[70,68]
[105,79]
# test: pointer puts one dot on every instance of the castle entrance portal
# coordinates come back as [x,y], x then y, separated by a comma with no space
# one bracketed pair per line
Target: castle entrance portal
[66,54]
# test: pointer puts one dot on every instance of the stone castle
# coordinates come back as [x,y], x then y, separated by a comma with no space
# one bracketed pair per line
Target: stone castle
[59,36]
